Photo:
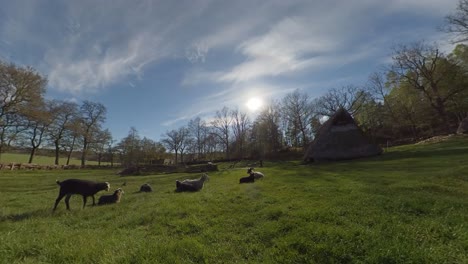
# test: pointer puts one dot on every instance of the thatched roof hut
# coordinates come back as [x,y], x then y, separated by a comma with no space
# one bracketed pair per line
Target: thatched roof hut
[463,127]
[340,138]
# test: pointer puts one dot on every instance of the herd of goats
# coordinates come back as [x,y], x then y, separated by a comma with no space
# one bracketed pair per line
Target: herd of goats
[87,188]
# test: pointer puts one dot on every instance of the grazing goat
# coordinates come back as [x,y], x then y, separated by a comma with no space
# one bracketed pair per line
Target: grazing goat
[76,186]
[110,199]
[146,188]
[191,185]
[257,174]
[247,179]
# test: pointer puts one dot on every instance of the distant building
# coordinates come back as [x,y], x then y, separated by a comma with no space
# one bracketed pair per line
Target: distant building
[340,138]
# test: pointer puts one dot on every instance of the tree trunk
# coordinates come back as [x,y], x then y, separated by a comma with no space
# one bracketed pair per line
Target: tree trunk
[31,157]
[57,153]
[443,114]
[83,153]
[71,151]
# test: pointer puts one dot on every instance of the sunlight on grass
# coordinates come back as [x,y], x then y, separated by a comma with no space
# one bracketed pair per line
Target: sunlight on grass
[406,206]
[7,158]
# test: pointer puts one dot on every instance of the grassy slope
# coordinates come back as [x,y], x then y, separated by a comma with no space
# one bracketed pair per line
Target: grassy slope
[407,206]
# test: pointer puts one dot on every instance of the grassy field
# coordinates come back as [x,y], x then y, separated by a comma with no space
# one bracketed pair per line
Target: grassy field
[41,160]
[409,205]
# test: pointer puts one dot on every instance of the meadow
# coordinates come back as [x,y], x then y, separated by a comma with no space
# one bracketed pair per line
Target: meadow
[409,205]
[7,158]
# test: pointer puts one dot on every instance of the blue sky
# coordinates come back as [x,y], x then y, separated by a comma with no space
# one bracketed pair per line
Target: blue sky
[157,64]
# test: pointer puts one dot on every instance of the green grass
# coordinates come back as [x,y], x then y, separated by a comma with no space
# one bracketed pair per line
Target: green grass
[409,205]
[7,158]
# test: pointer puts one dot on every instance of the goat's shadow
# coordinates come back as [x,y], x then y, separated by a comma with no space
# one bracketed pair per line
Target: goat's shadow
[26,215]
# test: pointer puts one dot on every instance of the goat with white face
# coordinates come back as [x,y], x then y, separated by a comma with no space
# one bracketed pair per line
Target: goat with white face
[191,185]
[84,188]
[257,175]
[110,199]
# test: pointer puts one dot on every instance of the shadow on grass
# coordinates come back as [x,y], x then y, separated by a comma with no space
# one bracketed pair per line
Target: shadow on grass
[26,215]
[433,153]
[426,159]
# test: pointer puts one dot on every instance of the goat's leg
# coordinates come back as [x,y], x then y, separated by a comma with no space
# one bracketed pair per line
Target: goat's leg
[94,202]
[84,201]
[67,201]
[59,198]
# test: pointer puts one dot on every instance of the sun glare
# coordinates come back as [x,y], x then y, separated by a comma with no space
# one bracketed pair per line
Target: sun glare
[254,103]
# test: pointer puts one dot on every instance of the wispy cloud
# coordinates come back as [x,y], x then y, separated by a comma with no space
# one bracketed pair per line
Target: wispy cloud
[230,50]
[68,73]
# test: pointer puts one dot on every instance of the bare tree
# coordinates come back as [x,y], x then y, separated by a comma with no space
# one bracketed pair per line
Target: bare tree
[266,136]
[20,88]
[240,127]
[111,149]
[457,22]
[99,145]
[92,117]
[63,114]
[72,137]
[186,142]
[221,125]
[129,148]
[151,150]
[39,120]
[212,143]
[378,88]
[197,130]
[296,111]
[174,140]
[350,97]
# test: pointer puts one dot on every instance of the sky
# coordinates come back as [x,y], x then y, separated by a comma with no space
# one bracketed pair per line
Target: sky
[156,64]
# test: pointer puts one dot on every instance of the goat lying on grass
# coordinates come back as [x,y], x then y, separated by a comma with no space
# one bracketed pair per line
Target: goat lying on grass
[257,174]
[146,188]
[76,186]
[191,185]
[248,179]
[110,199]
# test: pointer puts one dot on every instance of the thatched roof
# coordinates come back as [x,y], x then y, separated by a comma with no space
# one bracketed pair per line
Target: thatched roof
[340,138]
[463,127]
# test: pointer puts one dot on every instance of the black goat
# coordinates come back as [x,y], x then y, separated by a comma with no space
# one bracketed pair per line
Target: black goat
[248,179]
[76,186]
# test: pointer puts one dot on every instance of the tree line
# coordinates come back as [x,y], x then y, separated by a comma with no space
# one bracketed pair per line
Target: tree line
[423,92]
[29,121]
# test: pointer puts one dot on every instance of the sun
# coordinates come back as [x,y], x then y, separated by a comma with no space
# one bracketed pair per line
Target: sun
[254,104]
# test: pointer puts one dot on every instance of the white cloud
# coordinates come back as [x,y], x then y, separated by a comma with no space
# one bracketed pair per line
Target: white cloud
[224,36]
[87,74]
[90,45]
[317,36]
[292,46]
